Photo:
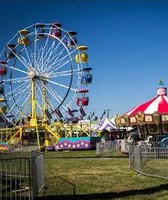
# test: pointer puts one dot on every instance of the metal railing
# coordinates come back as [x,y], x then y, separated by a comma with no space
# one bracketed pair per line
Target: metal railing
[21,175]
[105,148]
[147,160]
[37,173]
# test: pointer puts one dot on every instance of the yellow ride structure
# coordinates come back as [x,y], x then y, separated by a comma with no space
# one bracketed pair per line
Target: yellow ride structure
[34,125]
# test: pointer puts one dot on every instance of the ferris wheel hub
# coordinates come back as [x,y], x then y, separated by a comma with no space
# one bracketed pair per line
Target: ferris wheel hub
[31,73]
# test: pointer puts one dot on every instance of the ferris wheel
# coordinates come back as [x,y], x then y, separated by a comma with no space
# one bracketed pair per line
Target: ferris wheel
[44,74]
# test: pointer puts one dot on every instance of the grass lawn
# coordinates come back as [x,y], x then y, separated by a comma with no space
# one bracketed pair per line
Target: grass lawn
[82,175]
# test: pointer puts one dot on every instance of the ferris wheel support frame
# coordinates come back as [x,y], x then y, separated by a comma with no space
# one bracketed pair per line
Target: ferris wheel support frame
[44,96]
[33,120]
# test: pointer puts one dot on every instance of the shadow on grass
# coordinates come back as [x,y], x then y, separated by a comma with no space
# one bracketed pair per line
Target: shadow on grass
[108,195]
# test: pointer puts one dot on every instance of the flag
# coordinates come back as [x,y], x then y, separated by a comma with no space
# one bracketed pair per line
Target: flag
[80,117]
[70,112]
[96,118]
[103,114]
[161,82]
[48,114]
[82,111]
[93,113]
[58,112]
[75,110]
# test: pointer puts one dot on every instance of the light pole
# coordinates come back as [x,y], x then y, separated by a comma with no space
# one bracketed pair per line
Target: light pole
[107,111]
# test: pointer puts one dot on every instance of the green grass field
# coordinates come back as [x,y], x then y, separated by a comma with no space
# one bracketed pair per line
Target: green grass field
[83,175]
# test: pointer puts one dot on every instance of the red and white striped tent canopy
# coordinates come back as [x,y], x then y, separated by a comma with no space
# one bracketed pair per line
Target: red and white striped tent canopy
[158,104]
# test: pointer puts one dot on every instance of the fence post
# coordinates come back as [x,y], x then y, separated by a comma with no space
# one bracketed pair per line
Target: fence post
[139,158]
[37,175]
[135,157]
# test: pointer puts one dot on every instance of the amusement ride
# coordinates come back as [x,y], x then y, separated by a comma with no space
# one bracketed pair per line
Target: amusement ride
[44,78]
[150,119]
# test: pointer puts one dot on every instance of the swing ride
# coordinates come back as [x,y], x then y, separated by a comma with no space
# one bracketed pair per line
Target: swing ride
[44,77]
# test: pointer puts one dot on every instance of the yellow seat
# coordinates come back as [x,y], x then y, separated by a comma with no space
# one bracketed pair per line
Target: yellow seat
[83,57]
[2,100]
[23,39]
[3,109]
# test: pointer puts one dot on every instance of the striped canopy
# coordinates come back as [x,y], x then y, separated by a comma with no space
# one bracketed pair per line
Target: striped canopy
[158,104]
[107,125]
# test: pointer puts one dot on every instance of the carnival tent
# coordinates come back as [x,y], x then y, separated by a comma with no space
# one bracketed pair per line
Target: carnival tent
[107,125]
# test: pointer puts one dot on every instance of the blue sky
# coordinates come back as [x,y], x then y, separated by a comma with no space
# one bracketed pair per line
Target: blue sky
[127,41]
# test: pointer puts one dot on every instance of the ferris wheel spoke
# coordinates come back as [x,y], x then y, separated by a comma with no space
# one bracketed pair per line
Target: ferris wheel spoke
[51,61]
[37,63]
[15,80]
[21,109]
[41,60]
[20,58]
[55,95]
[56,66]
[26,52]
[23,61]
[21,100]
[12,112]
[50,52]
[24,105]
[50,105]
[44,61]
[35,51]
[58,84]
[58,63]
[17,69]
[55,69]
[53,56]
[58,98]
[64,73]
[18,91]
[47,54]
[22,87]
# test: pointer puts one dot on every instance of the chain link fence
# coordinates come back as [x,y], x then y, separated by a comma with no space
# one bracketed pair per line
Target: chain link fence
[105,148]
[147,160]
